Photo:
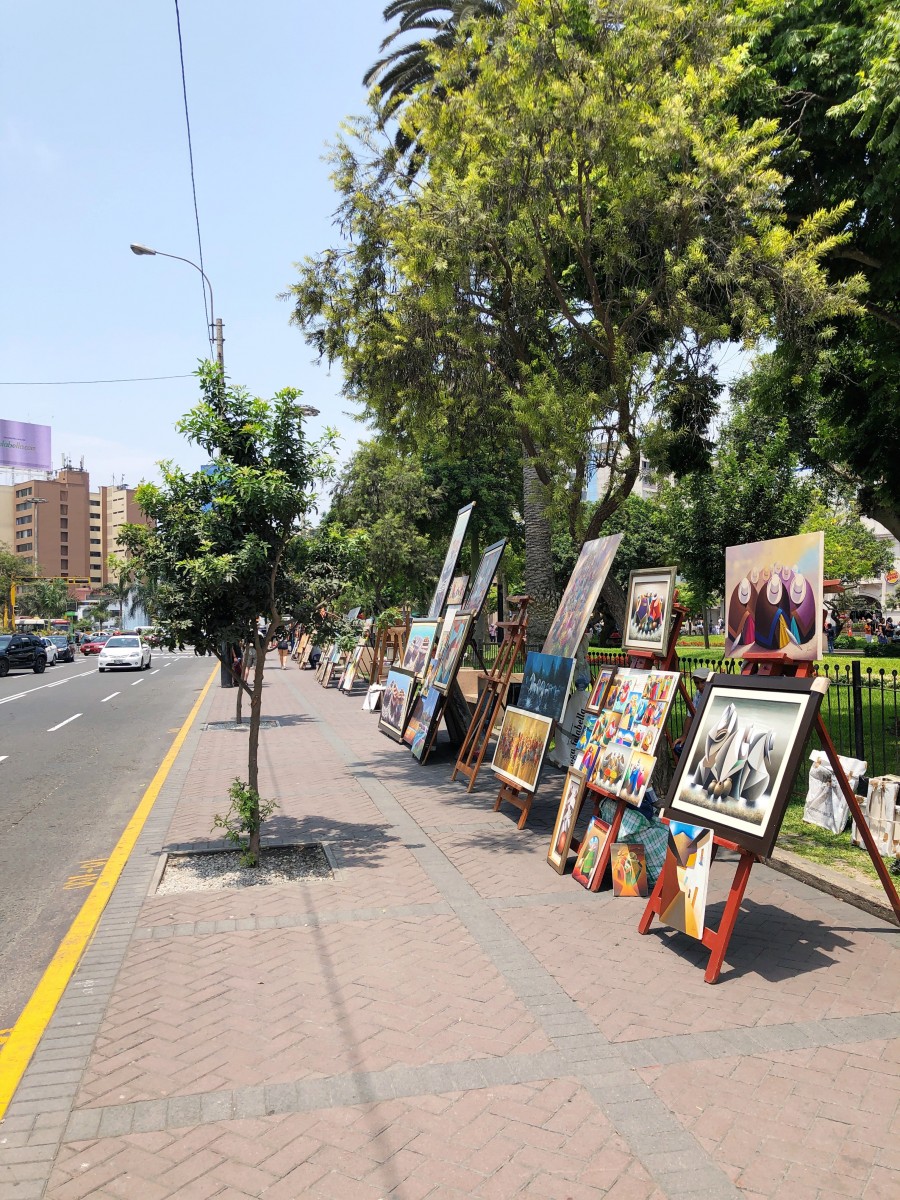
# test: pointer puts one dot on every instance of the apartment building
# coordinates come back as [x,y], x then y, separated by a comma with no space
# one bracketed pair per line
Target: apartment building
[110,508]
[46,522]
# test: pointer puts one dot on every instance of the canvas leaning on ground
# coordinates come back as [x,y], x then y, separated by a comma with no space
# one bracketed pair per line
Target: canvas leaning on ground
[685,878]
[744,749]
[561,838]
[628,863]
[587,865]
[395,702]
[649,609]
[773,597]
[520,748]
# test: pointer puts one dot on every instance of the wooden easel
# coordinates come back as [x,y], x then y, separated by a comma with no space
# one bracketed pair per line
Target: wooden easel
[716,940]
[493,694]
[392,639]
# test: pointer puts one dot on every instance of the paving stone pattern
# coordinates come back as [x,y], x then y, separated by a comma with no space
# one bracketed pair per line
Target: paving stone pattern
[448,1017]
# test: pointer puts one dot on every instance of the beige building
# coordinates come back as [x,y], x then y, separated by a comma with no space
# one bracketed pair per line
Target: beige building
[46,521]
[110,508]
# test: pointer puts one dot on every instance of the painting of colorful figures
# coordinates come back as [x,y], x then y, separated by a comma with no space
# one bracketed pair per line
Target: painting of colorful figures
[520,747]
[587,729]
[628,864]
[742,755]
[773,597]
[561,839]
[395,701]
[450,561]
[611,767]
[545,684]
[420,726]
[587,865]
[598,691]
[423,632]
[445,672]
[484,577]
[649,609]
[457,589]
[637,777]
[686,878]
[580,597]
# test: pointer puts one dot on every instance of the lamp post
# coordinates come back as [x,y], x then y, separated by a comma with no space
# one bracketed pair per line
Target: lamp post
[215,325]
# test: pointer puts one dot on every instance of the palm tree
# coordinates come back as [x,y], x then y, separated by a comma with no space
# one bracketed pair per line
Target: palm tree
[406,67]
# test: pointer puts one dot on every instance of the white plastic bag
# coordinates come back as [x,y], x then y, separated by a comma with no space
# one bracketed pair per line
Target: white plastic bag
[882,814]
[825,804]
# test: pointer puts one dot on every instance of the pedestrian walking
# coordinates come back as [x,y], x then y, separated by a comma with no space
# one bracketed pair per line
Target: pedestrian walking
[283,646]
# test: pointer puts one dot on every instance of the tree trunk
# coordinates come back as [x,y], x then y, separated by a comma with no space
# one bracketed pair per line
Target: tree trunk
[888,517]
[253,748]
[540,583]
[616,601]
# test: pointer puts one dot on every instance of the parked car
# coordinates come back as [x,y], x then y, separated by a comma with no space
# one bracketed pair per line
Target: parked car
[126,650]
[52,652]
[95,644]
[65,647]
[21,652]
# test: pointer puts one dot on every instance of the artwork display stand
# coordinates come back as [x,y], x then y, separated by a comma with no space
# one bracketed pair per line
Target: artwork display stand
[511,793]
[393,640]
[493,695]
[650,660]
[717,940]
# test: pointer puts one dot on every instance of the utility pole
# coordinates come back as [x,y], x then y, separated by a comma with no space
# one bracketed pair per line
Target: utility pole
[220,343]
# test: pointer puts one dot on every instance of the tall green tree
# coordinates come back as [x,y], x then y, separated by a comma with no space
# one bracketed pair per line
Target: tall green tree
[45,598]
[221,538]
[591,211]
[852,551]
[13,573]
[829,72]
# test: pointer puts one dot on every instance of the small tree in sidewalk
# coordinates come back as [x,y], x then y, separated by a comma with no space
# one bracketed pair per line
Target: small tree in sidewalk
[220,543]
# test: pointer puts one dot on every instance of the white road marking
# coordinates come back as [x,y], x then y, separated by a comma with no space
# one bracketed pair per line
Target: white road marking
[3,757]
[42,686]
[105,698]
[136,682]
[54,728]
[156,672]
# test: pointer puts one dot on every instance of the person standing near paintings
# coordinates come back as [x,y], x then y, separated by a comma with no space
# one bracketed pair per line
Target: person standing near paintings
[830,631]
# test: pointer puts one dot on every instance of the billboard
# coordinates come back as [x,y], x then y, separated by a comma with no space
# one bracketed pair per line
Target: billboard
[24,446]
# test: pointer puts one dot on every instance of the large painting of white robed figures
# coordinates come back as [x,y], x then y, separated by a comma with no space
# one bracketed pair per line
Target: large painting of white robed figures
[773,596]
[745,747]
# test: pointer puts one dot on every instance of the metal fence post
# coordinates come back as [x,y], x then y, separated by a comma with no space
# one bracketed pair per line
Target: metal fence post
[856,685]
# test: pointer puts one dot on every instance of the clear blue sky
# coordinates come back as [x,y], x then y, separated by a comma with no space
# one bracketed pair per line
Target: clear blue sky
[94,156]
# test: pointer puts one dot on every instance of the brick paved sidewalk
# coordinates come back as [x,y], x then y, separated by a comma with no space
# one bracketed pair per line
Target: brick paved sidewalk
[447,1017]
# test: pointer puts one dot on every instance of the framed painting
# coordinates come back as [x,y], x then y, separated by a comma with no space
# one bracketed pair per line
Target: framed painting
[519,753]
[742,754]
[420,725]
[395,702]
[545,684]
[457,591]
[685,878]
[561,839]
[580,597]
[628,863]
[484,577]
[450,560]
[587,865]
[648,611]
[423,633]
[773,598]
[451,655]
[601,687]
[611,766]
[636,779]
[349,675]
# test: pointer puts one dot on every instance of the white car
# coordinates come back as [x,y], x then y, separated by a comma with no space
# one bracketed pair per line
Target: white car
[125,650]
[52,652]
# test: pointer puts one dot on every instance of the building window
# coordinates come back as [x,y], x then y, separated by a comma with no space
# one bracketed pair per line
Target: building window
[64,523]
[24,492]
[22,533]
[64,510]
[96,541]
[23,520]
[63,495]
[23,546]
[63,537]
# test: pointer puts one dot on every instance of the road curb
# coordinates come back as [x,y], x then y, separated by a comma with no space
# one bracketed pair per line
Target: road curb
[861,895]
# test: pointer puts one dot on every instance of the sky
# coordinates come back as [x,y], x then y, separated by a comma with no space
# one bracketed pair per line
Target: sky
[94,156]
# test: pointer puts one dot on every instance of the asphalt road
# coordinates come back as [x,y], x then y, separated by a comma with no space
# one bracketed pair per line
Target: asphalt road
[77,751]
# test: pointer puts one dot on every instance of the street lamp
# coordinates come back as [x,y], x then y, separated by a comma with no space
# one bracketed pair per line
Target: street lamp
[216,326]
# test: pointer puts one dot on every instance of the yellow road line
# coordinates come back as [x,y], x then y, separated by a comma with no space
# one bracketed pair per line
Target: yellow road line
[29,1029]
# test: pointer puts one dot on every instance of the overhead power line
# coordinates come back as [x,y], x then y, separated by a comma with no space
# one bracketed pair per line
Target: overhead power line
[187,121]
[71,382]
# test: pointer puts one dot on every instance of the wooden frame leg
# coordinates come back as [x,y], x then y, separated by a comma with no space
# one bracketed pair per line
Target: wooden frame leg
[518,799]
[717,940]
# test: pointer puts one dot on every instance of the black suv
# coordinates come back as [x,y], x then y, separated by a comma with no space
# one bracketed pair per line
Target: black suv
[21,652]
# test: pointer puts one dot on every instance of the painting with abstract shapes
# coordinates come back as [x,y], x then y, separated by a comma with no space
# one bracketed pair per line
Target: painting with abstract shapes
[773,598]
[628,863]
[742,755]
[649,609]
[580,597]
[637,777]
[685,878]
[420,727]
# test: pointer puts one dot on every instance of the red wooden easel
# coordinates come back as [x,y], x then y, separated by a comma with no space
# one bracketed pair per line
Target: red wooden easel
[716,940]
